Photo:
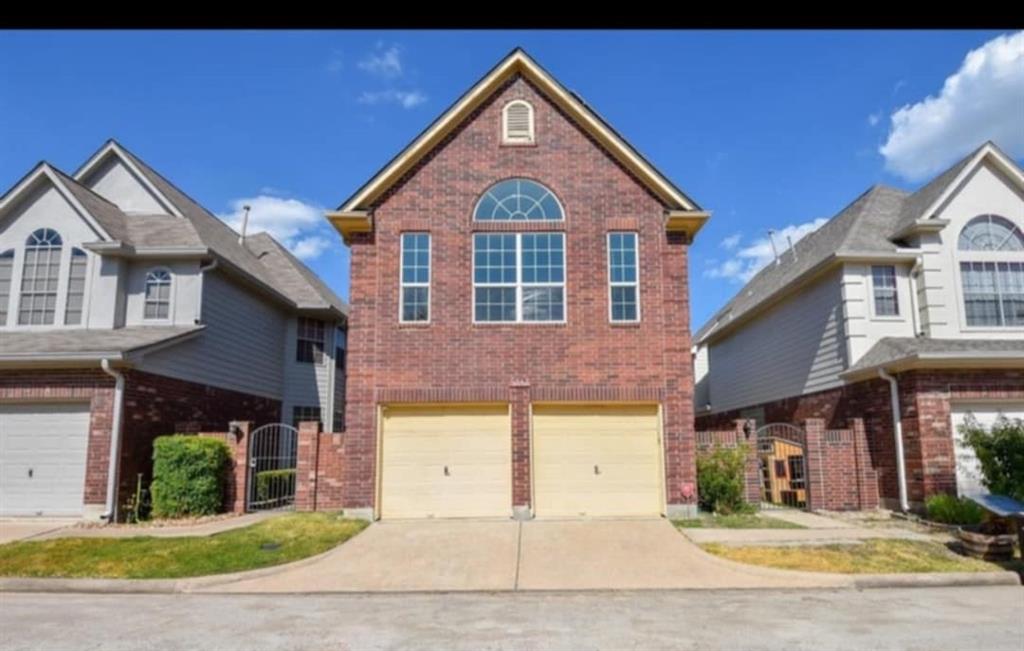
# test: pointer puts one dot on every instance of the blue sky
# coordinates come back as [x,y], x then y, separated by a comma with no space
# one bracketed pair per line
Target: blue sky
[765,129]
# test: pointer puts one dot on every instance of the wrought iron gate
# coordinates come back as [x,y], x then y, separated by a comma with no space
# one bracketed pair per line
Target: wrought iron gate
[780,449]
[271,476]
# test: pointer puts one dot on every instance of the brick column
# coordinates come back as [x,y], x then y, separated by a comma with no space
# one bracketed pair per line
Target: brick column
[867,481]
[307,463]
[238,440]
[519,397]
[752,472]
[814,433]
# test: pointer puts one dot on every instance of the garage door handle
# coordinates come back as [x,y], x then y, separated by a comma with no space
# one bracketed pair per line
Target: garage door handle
[597,471]
[446,473]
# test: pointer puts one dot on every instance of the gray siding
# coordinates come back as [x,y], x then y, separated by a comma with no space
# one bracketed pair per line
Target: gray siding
[796,347]
[241,348]
[306,384]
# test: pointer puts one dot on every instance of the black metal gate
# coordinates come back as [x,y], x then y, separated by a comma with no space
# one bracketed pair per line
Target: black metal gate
[780,449]
[271,476]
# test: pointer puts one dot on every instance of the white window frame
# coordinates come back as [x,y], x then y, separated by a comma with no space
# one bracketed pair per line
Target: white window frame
[531,119]
[636,283]
[519,284]
[896,293]
[170,296]
[18,277]
[979,256]
[85,288]
[5,301]
[401,281]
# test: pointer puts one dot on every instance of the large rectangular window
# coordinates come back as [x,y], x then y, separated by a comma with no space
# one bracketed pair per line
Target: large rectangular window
[993,293]
[518,277]
[883,287]
[309,345]
[623,277]
[415,290]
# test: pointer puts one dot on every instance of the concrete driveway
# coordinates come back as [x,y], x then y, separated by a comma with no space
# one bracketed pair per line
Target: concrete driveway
[12,529]
[492,555]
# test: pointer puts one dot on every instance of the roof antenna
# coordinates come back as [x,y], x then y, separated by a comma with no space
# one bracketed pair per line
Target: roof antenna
[771,238]
[245,225]
[789,238]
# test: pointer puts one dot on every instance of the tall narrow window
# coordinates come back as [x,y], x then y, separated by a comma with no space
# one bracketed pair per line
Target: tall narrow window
[6,272]
[883,286]
[76,287]
[39,278]
[623,277]
[517,123]
[415,290]
[518,277]
[158,295]
[309,345]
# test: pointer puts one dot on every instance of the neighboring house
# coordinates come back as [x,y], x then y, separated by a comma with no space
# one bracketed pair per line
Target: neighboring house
[925,287]
[128,311]
[519,340]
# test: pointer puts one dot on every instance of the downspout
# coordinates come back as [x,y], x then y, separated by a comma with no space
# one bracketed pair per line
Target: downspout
[199,294]
[115,438]
[897,420]
[914,314]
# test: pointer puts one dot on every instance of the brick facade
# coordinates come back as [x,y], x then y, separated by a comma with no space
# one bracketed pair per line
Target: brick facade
[453,360]
[926,397]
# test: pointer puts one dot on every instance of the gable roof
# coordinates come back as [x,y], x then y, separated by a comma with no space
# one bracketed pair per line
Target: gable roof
[518,63]
[304,286]
[866,228]
[910,351]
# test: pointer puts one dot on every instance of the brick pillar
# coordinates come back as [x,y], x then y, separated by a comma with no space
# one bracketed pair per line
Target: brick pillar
[867,481]
[238,440]
[752,472]
[814,432]
[307,465]
[519,397]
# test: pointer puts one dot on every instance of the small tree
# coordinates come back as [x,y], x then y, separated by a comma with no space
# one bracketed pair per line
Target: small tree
[1000,453]
[721,480]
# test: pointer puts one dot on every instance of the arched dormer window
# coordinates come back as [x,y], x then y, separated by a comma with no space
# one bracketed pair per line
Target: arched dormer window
[39,278]
[992,272]
[158,295]
[518,200]
[6,273]
[517,123]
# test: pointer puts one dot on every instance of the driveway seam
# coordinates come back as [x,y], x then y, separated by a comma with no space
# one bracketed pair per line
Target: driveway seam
[519,555]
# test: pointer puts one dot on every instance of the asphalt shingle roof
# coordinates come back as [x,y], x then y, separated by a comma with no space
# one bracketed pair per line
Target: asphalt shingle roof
[892,349]
[79,342]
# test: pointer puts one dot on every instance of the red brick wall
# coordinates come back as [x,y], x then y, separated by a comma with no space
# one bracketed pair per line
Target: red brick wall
[925,399]
[318,469]
[454,357]
[92,386]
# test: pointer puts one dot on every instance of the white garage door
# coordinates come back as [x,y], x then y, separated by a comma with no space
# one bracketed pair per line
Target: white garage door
[446,461]
[42,458]
[968,471]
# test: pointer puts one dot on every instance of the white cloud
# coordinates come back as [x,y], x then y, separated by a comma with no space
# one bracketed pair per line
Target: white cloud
[731,242]
[983,100]
[297,225]
[385,63]
[751,258]
[406,99]
[875,118]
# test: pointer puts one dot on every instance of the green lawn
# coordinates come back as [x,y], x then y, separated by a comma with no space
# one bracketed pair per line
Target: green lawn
[735,521]
[270,542]
[877,556]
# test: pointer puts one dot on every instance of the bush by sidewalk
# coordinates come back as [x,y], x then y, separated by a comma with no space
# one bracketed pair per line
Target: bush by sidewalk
[188,475]
[721,480]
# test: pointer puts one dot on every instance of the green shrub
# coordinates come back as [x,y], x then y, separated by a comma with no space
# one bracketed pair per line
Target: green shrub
[949,509]
[188,475]
[275,484]
[721,480]
[1000,453]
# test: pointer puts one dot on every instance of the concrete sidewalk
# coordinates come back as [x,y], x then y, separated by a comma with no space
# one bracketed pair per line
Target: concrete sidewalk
[13,529]
[820,530]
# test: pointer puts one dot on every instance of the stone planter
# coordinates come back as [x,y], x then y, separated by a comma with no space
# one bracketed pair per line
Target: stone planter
[989,544]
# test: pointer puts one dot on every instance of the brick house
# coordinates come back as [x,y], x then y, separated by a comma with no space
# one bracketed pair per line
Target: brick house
[905,310]
[518,341]
[128,311]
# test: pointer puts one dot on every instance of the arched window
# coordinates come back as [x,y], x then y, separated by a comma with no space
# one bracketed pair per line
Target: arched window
[991,233]
[39,278]
[517,123]
[76,287]
[6,272]
[518,200]
[158,294]
[992,279]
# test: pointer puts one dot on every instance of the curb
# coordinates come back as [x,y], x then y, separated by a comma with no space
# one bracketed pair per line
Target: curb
[938,580]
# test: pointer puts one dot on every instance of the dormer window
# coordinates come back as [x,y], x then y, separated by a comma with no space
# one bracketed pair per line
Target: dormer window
[992,272]
[158,295]
[39,278]
[517,123]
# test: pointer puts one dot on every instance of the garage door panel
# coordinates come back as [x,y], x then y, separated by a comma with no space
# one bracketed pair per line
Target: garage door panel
[419,444]
[596,460]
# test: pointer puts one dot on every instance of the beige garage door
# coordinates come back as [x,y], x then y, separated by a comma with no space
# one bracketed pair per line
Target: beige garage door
[448,461]
[598,460]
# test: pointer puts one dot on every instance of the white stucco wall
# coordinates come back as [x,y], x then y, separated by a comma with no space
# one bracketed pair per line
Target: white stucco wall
[862,325]
[185,287]
[116,183]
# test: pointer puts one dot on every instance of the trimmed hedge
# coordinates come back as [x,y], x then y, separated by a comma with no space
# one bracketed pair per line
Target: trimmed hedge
[721,480]
[189,473]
